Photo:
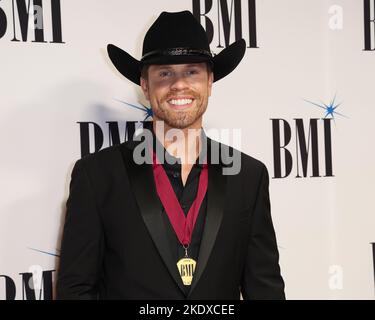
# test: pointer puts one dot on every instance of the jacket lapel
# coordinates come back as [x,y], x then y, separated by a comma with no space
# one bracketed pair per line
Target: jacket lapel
[214,215]
[143,185]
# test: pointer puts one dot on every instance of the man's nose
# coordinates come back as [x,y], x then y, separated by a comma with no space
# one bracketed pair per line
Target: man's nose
[179,81]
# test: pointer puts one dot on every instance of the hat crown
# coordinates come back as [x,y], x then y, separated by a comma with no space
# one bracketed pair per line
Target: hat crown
[177,38]
[175,30]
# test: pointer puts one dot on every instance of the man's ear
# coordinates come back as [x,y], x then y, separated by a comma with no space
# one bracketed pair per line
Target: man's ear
[144,86]
[210,81]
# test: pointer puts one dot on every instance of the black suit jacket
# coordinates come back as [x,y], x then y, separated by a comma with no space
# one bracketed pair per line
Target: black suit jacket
[115,245]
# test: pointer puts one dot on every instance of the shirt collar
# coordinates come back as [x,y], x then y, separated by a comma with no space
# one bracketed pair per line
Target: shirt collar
[174,162]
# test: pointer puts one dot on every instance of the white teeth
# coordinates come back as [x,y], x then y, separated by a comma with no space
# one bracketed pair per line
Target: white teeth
[180,102]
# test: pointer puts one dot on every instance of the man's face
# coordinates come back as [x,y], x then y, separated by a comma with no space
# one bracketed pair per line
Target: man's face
[178,93]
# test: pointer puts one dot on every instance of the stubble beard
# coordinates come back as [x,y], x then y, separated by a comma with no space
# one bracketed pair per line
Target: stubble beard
[180,119]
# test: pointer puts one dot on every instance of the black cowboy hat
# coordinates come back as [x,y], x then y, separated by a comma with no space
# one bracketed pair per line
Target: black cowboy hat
[174,38]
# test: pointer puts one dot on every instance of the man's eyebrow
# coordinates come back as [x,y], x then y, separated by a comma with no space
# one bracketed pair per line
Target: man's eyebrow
[193,65]
[162,66]
[159,67]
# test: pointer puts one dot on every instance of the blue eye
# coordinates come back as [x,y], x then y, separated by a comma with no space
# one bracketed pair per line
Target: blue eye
[164,74]
[192,72]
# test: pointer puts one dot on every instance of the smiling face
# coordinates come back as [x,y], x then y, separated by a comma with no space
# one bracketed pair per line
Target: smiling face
[178,93]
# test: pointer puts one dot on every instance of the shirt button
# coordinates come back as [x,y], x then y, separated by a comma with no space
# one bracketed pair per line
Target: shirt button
[176,174]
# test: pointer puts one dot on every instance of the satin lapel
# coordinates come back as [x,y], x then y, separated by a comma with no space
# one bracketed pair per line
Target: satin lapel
[214,215]
[143,185]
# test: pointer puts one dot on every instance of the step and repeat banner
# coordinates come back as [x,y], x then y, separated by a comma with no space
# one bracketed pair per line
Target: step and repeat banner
[302,99]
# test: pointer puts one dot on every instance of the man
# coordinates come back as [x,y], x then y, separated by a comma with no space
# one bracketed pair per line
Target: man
[179,228]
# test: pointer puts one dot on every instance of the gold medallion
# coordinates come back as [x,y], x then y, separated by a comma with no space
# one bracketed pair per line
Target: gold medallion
[186,267]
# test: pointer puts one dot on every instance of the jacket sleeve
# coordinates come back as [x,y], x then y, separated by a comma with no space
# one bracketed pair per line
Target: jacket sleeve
[261,276]
[82,241]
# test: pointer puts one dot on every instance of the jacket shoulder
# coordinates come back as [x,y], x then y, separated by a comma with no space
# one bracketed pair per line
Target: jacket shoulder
[247,162]
[107,158]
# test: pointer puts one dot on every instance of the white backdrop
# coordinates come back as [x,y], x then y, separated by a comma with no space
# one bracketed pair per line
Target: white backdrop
[307,50]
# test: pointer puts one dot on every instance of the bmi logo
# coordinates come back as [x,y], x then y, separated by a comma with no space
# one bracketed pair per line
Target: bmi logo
[310,154]
[26,21]
[35,284]
[94,136]
[373,258]
[227,21]
[29,290]
[369,22]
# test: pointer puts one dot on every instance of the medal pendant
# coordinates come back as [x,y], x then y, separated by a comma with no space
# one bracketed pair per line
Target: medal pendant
[186,267]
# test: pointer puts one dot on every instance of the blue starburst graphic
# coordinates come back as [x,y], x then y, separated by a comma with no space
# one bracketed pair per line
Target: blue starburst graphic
[45,252]
[330,109]
[147,110]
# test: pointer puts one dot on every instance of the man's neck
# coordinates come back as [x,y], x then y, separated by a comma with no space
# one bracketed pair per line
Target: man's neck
[186,144]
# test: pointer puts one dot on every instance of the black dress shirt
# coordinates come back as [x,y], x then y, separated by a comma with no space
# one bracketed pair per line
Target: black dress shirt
[186,195]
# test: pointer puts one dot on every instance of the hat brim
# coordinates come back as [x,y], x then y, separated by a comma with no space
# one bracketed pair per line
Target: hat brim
[223,63]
